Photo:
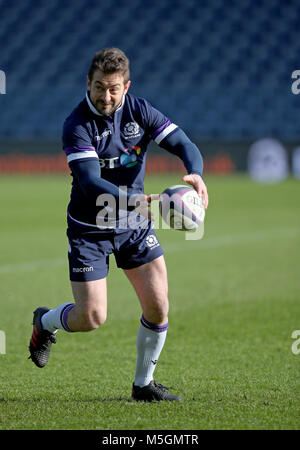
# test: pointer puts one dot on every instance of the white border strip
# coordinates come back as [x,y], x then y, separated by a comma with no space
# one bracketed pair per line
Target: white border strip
[82,155]
[92,107]
[165,132]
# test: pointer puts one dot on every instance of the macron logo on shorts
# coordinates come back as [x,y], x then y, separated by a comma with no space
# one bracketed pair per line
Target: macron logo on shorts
[83,269]
[152,241]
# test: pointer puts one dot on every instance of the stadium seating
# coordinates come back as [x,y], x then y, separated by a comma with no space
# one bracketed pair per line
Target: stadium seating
[220,69]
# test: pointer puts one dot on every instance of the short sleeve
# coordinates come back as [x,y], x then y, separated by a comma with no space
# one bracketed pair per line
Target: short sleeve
[158,125]
[77,143]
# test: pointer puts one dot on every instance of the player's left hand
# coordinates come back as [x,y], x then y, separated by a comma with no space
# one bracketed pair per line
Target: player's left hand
[148,198]
[198,184]
[143,202]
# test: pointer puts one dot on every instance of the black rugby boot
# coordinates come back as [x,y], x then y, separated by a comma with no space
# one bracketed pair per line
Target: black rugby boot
[153,392]
[41,340]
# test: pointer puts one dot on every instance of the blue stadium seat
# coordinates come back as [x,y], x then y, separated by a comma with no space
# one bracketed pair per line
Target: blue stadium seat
[219,69]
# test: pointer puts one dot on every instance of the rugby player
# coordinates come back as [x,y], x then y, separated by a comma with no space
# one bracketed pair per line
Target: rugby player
[105,139]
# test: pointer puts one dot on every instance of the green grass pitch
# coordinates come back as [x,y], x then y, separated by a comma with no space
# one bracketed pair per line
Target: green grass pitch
[234,304]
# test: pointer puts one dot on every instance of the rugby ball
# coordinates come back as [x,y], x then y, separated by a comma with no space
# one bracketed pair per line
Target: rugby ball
[181,208]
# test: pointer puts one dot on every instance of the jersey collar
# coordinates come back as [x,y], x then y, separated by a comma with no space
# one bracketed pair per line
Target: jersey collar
[95,111]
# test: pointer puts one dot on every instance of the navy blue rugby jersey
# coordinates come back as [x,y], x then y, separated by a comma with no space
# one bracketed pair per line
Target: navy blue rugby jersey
[119,142]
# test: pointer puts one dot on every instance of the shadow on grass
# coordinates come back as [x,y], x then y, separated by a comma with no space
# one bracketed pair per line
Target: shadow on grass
[69,400]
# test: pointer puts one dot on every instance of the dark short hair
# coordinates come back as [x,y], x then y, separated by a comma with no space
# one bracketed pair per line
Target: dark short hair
[110,60]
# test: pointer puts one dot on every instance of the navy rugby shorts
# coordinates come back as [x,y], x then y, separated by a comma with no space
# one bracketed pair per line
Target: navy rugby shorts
[89,251]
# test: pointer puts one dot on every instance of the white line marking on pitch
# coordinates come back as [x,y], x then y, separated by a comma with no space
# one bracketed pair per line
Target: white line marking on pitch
[28,266]
[203,244]
[234,239]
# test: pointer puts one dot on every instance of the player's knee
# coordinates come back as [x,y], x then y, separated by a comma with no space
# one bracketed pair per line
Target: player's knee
[159,311]
[93,319]
[99,318]
[161,315]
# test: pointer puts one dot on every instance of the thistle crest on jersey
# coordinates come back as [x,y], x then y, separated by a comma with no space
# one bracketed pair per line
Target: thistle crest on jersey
[131,130]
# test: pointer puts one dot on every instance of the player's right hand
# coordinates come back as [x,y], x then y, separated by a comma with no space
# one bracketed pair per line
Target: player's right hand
[198,184]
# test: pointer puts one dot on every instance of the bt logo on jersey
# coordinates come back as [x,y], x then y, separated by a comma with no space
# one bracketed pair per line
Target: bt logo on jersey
[108,163]
[128,159]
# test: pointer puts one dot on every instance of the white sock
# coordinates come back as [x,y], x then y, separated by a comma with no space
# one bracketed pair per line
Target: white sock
[149,343]
[56,319]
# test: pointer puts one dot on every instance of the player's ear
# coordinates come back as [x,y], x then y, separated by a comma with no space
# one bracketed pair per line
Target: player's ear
[127,85]
[88,83]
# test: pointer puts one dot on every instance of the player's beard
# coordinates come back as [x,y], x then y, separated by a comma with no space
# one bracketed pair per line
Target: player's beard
[107,109]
